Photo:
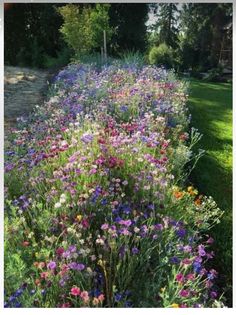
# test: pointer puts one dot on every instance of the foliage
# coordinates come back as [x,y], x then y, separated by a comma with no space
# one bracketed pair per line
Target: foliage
[166,24]
[161,55]
[129,28]
[31,31]
[214,75]
[83,27]
[103,218]
[203,28]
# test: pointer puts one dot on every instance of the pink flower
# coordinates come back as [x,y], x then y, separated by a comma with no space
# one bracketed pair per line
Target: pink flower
[186,261]
[101,297]
[59,251]
[75,291]
[125,222]
[84,296]
[85,223]
[190,276]
[65,305]
[105,226]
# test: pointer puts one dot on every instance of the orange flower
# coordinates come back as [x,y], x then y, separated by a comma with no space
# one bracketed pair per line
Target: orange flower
[198,201]
[178,194]
[37,282]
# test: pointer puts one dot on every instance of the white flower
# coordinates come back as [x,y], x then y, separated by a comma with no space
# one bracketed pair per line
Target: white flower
[57,205]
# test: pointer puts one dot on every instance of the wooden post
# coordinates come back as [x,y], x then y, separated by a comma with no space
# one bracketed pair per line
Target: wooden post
[102,55]
[105,45]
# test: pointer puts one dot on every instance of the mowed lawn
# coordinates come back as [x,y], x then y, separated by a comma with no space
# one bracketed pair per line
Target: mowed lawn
[210,105]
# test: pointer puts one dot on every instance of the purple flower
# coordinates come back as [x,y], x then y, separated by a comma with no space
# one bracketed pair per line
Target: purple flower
[201,251]
[181,233]
[73,265]
[52,265]
[80,267]
[135,250]
[72,248]
[158,227]
[213,294]
[187,249]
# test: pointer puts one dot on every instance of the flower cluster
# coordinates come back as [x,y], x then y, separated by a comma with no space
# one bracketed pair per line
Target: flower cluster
[96,211]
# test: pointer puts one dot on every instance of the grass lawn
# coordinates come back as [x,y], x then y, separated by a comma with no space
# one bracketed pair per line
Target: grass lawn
[210,105]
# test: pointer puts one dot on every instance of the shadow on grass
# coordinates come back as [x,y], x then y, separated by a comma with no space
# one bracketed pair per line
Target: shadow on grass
[210,105]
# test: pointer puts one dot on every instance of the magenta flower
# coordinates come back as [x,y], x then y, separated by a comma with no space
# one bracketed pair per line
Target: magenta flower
[179,277]
[184,293]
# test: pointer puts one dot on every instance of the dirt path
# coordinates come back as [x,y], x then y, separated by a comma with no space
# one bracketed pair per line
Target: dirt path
[23,89]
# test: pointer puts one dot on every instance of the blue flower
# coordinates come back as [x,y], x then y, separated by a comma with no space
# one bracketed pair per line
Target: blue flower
[118,297]
[197,267]
[174,260]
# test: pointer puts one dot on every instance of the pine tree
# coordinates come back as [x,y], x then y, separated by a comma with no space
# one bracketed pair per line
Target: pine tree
[166,25]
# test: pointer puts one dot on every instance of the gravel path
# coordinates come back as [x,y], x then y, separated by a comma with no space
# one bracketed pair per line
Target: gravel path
[23,89]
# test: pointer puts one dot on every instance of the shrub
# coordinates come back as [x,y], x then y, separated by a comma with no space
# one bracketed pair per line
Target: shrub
[161,55]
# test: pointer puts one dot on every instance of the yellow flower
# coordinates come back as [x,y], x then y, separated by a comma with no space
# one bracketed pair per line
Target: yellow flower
[190,188]
[79,217]
[174,305]
[163,290]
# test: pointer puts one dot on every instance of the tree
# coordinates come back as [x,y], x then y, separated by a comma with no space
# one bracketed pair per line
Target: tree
[166,25]
[30,33]
[202,27]
[83,26]
[129,22]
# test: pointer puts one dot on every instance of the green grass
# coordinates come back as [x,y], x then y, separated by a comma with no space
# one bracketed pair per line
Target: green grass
[210,105]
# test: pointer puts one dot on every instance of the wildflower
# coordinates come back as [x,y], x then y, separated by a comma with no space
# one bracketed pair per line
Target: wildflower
[125,222]
[80,267]
[184,293]
[65,305]
[84,296]
[59,251]
[179,277]
[175,305]
[174,260]
[190,277]
[213,294]
[105,226]
[101,297]
[135,251]
[95,301]
[201,250]
[178,194]
[44,275]
[75,291]
[57,205]
[52,265]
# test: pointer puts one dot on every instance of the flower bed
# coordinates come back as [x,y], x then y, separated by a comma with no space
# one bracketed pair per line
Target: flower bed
[96,211]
